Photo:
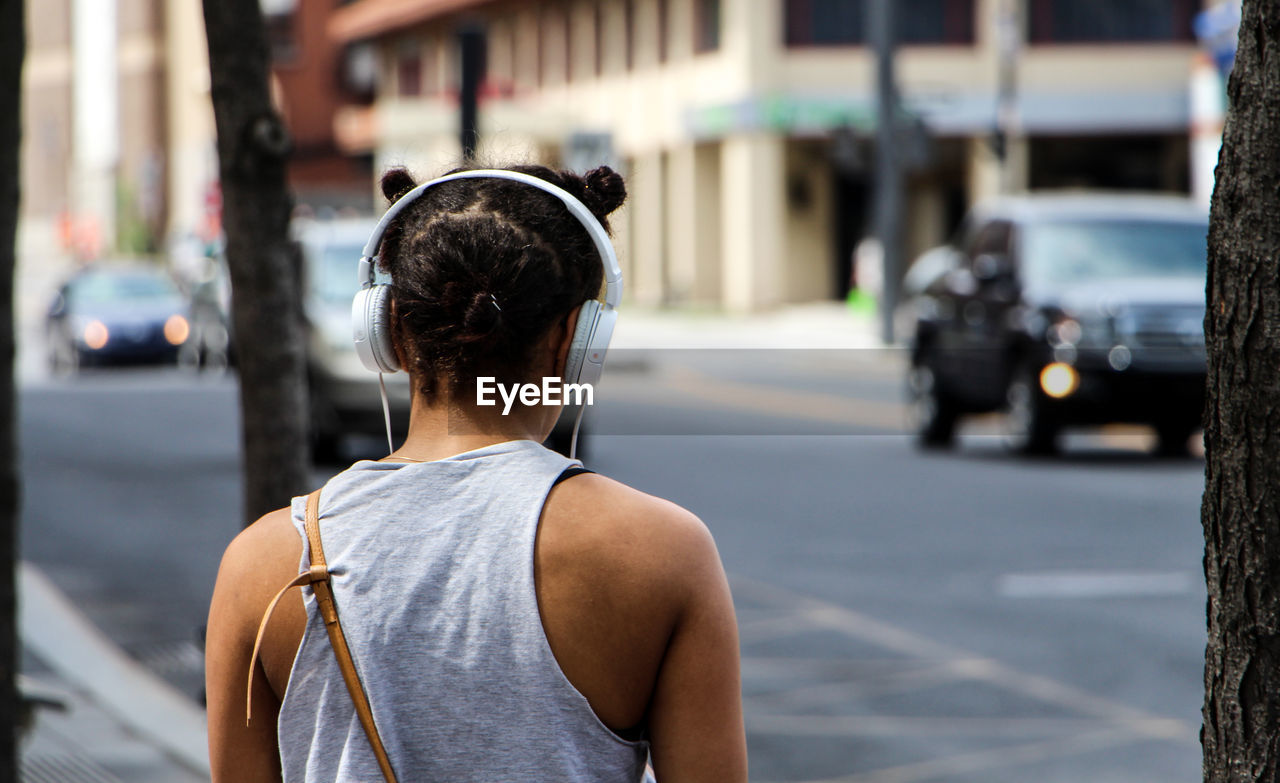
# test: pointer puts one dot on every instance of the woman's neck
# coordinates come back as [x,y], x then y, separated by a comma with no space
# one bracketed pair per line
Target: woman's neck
[442,429]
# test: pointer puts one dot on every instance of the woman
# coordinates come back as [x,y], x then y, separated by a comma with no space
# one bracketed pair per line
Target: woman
[511,618]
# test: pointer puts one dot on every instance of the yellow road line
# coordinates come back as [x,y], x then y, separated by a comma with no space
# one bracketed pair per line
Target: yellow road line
[708,392]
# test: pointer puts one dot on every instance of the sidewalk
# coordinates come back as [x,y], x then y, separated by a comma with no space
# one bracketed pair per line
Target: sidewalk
[819,325]
[121,724]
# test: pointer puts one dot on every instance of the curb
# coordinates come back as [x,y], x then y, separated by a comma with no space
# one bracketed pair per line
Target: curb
[56,632]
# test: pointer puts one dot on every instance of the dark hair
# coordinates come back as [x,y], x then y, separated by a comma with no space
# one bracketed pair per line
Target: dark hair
[482,268]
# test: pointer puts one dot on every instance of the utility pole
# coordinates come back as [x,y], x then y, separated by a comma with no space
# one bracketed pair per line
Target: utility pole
[1007,125]
[889,183]
[471,46]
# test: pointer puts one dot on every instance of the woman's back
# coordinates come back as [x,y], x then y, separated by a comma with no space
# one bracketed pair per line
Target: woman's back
[433,573]
[629,593]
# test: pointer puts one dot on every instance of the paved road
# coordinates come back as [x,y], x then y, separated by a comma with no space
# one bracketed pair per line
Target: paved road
[904,616]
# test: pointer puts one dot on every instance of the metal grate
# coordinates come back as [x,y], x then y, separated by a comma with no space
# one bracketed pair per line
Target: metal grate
[63,767]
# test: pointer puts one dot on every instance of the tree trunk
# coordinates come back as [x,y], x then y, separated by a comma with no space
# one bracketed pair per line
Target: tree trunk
[1241,510]
[253,148]
[12,50]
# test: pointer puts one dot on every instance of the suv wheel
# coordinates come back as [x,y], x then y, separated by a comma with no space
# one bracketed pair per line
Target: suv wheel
[1029,428]
[933,414]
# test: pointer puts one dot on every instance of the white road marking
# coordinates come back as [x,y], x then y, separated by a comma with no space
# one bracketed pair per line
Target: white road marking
[699,389]
[993,758]
[915,726]
[1138,724]
[776,627]
[904,677]
[1096,584]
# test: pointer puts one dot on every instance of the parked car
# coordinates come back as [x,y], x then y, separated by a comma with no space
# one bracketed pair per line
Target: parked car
[116,313]
[345,398]
[1066,310]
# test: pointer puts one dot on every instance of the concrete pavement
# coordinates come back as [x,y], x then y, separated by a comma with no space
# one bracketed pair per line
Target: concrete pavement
[106,719]
[818,325]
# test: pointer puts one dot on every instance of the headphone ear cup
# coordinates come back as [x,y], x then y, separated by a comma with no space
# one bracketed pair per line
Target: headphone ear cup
[598,346]
[573,363]
[371,328]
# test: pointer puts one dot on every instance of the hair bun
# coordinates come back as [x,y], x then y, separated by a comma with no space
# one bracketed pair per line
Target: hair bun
[397,182]
[482,318]
[605,191]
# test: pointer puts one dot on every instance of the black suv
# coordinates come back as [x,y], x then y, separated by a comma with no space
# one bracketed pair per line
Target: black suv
[1063,310]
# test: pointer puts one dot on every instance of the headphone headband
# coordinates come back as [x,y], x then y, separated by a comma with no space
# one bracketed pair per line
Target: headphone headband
[599,237]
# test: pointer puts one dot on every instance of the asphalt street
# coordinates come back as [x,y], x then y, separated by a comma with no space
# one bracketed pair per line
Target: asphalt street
[905,616]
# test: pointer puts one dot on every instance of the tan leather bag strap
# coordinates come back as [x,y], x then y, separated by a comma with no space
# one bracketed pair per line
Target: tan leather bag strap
[318,577]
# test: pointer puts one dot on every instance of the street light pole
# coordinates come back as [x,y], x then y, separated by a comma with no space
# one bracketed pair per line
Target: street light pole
[888,182]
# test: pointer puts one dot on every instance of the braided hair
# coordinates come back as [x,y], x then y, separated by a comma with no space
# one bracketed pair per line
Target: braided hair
[481,270]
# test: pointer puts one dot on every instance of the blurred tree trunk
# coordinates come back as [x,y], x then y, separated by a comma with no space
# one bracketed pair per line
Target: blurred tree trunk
[1241,510]
[12,50]
[253,149]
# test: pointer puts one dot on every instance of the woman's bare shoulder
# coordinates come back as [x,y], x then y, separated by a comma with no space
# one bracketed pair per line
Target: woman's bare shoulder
[599,520]
[619,574]
[266,540]
[260,558]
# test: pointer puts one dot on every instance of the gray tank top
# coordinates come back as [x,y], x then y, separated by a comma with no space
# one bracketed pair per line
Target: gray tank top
[433,577]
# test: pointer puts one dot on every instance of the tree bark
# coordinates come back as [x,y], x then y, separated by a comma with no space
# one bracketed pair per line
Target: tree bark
[253,149]
[12,51]
[1241,509]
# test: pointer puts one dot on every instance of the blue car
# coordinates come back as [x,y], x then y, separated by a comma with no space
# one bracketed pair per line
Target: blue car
[116,314]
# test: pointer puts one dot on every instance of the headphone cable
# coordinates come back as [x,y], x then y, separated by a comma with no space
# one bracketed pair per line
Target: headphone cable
[573,440]
[386,412]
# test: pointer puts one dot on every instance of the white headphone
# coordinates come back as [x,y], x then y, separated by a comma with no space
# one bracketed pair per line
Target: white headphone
[371,310]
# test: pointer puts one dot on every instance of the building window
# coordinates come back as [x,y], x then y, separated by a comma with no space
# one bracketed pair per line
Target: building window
[359,71]
[440,61]
[555,59]
[597,22]
[937,22]
[706,25]
[568,44]
[629,32]
[826,22]
[845,22]
[545,47]
[1110,21]
[662,31]
[408,69]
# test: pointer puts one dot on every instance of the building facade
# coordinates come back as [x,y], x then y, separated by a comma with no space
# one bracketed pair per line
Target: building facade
[745,126]
[119,152]
[94,138]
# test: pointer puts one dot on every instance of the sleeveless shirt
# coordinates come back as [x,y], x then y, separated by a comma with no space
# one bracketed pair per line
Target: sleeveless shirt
[432,568]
